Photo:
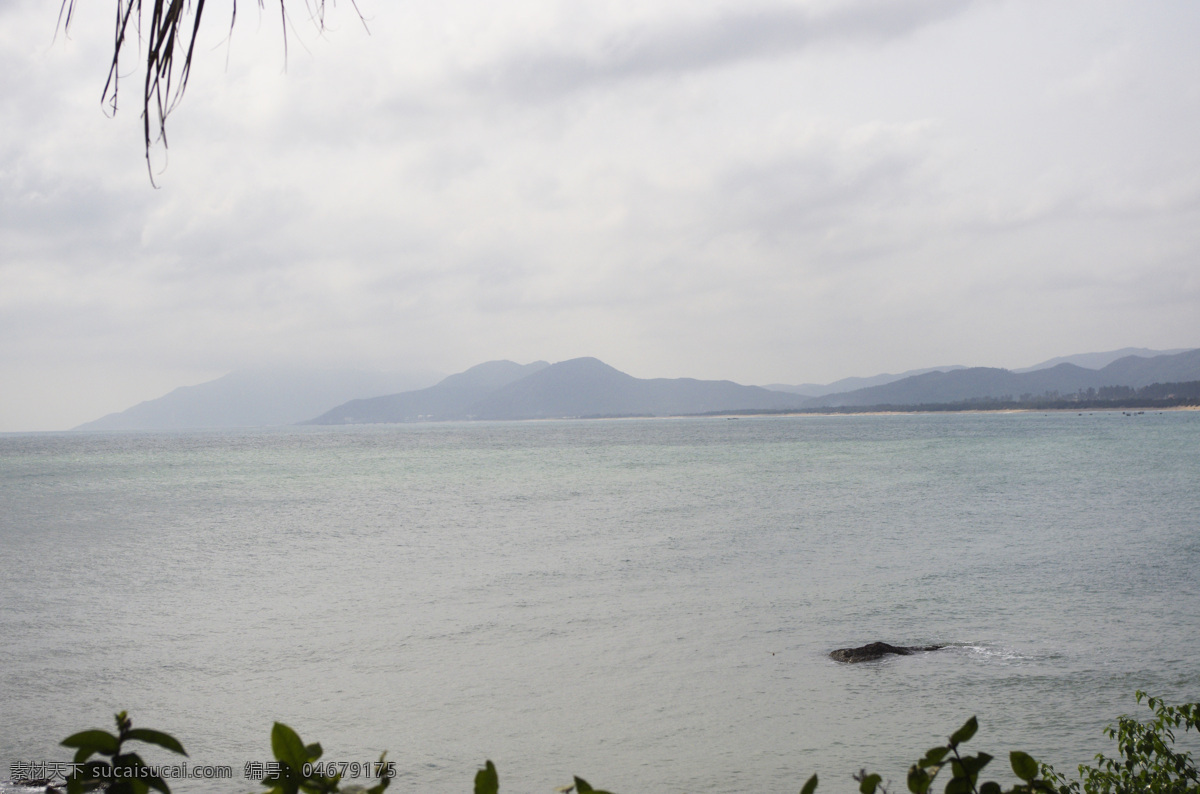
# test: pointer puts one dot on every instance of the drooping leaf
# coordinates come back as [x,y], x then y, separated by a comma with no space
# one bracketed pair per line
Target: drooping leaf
[83,754]
[965,732]
[1024,765]
[869,783]
[95,740]
[486,780]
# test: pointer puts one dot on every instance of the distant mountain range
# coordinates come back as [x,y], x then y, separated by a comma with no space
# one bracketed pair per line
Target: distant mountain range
[452,398]
[587,387]
[976,383]
[581,387]
[256,398]
[1085,360]
[1101,360]
[850,384]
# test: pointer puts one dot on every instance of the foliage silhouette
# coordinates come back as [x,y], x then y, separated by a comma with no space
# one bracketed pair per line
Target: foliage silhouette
[170,43]
[1148,760]
[123,772]
[299,769]
[1148,764]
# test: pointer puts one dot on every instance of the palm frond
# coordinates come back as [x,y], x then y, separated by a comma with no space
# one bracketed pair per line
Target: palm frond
[171,29]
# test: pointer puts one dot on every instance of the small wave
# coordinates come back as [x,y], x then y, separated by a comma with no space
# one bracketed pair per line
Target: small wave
[997,652]
[10,787]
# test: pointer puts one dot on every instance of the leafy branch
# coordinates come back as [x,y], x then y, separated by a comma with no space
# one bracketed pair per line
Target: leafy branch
[1148,761]
[123,772]
[964,770]
[298,769]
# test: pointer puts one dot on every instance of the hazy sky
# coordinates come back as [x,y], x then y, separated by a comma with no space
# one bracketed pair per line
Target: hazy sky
[785,191]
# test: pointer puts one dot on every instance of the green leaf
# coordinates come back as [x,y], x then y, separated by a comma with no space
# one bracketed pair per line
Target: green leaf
[83,754]
[990,787]
[95,740]
[1024,765]
[288,748]
[958,785]
[918,780]
[972,764]
[582,787]
[128,761]
[486,780]
[138,783]
[159,738]
[934,756]
[92,770]
[965,732]
[810,786]
[869,783]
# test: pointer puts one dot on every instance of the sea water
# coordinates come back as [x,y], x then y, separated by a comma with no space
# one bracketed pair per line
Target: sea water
[648,604]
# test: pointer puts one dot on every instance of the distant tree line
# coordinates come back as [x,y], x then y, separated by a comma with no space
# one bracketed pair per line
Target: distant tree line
[1156,395]
[1108,394]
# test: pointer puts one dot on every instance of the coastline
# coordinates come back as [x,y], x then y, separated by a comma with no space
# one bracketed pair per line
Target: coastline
[947,408]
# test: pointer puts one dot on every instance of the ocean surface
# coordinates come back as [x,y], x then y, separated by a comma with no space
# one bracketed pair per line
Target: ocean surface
[648,604]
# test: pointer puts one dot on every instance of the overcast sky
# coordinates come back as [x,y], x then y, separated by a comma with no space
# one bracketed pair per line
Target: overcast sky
[782,191]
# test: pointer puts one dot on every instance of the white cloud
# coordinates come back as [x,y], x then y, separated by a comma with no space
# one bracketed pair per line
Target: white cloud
[707,37]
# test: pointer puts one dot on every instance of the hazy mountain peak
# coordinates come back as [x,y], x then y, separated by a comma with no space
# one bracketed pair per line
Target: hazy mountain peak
[853,383]
[1102,360]
[578,387]
[1064,377]
[492,374]
[256,398]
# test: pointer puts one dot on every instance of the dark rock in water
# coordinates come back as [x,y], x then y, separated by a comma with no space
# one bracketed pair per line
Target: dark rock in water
[878,650]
